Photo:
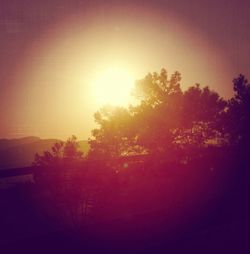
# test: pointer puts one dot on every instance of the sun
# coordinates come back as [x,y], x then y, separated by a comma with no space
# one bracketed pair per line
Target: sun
[113,86]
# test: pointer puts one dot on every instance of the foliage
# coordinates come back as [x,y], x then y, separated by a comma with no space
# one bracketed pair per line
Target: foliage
[115,137]
[166,119]
[61,153]
[185,147]
[237,118]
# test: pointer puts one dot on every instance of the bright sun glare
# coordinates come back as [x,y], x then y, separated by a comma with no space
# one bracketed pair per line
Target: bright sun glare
[113,86]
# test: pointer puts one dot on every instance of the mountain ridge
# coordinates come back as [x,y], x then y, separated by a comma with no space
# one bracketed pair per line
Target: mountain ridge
[20,152]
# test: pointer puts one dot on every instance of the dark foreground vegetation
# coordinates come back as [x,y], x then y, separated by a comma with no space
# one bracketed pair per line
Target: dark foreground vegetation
[170,175]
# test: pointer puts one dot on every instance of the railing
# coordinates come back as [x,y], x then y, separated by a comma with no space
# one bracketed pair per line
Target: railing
[11,172]
[16,172]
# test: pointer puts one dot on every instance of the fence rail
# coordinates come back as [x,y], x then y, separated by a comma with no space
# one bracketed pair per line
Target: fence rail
[4,173]
[11,172]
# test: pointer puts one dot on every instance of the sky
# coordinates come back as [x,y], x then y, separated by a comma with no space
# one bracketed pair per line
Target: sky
[52,52]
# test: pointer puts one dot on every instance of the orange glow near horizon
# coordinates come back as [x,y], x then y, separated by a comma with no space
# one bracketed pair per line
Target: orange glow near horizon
[75,66]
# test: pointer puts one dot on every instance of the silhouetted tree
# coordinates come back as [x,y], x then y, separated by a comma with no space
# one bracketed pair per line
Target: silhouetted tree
[60,153]
[237,118]
[236,123]
[71,149]
[201,113]
[115,136]
[159,113]
[186,140]
[165,120]
[67,183]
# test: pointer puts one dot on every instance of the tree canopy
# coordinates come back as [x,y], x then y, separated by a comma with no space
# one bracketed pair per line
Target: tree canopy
[166,119]
[188,144]
[61,153]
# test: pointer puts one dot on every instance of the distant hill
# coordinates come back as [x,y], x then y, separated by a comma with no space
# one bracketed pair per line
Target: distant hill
[20,152]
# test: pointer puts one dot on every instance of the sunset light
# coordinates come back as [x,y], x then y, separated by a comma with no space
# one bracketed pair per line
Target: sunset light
[125,126]
[113,86]
[87,59]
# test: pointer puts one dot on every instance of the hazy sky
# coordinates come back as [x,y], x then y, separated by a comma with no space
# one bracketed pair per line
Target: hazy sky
[52,50]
